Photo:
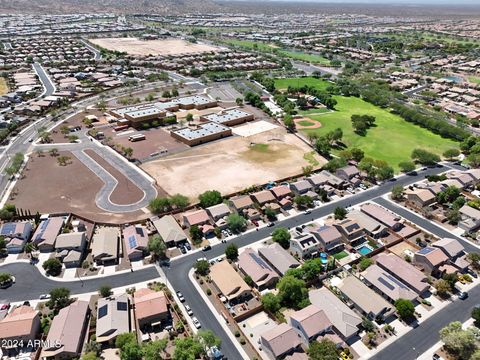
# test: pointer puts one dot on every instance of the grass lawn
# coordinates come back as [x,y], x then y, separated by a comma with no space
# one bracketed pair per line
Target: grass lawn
[340,255]
[310,157]
[3,86]
[314,111]
[474,79]
[301,81]
[311,58]
[252,44]
[392,139]
[306,123]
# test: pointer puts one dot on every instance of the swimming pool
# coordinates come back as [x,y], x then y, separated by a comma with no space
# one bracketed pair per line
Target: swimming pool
[364,250]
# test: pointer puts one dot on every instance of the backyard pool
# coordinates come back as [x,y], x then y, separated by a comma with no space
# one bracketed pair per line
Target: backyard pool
[364,250]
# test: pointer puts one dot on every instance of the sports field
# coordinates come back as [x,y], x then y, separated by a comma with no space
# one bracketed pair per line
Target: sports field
[319,84]
[392,139]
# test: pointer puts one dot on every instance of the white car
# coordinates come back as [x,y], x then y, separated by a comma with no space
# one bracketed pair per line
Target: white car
[189,311]
[44,297]
[196,323]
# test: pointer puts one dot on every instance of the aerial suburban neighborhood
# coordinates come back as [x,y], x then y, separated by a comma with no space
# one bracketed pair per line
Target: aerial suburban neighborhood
[224,179]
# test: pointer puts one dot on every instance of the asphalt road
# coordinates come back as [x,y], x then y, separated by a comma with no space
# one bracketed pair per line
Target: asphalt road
[45,79]
[422,338]
[177,274]
[97,54]
[30,283]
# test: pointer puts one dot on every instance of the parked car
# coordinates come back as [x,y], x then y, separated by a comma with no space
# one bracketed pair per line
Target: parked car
[180,296]
[308,211]
[206,248]
[462,295]
[437,357]
[44,297]
[5,306]
[183,249]
[189,311]
[255,222]
[270,224]
[196,323]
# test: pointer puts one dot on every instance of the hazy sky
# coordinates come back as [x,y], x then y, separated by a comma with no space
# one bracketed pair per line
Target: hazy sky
[444,2]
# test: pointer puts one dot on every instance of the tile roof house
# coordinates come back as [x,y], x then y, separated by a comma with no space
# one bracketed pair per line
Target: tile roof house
[263,197]
[404,271]
[280,341]
[239,203]
[21,324]
[344,320]
[430,258]
[387,284]
[135,241]
[46,233]
[367,301]
[67,332]
[16,234]
[420,197]
[251,264]
[451,247]
[371,226]
[350,229]
[196,217]
[105,245]
[113,318]
[278,258]
[310,322]
[326,178]
[281,191]
[219,211]
[228,281]
[329,237]
[304,245]
[382,215]
[169,230]
[300,187]
[150,307]
[470,218]
[347,172]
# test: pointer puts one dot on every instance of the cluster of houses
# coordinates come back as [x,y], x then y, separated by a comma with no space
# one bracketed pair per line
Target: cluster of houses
[424,195]
[24,86]
[145,311]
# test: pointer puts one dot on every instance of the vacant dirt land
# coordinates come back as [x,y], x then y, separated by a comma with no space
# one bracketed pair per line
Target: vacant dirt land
[232,164]
[135,46]
[50,188]
[3,86]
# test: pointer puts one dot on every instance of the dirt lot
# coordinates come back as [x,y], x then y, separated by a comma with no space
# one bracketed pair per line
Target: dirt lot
[50,188]
[76,120]
[232,164]
[135,46]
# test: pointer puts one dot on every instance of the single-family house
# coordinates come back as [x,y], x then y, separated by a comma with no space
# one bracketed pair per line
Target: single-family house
[300,187]
[135,241]
[310,322]
[113,318]
[218,212]
[16,235]
[229,283]
[46,233]
[280,341]
[278,258]
[22,324]
[350,229]
[280,192]
[263,197]
[420,197]
[305,245]
[195,217]
[430,258]
[169,230]
[382,215]
[151,307]
[347,172]
[105,244]
[364,299]
[387,284]
[450,247]
[67,332]
[329,237]
[70,248]
[469,218]
[251,264]
[344,320]
[240,203]
[371,226]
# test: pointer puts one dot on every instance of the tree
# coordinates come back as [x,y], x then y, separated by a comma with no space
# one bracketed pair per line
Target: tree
[324,349]
[128,152]
[236,223]
[397,192]
[453,216]
[105,291]
[90,356]
[270,213]
[52,266]
[153,350]
[189,118]
[5,277]
[340,213]
[59,298]
[406,166]
[405,308]
[451,154]
[131,351]
[425,157]
[474,259]
[187,349]
[179,201]
[365,263]
[282,236]
[174,92]
[160,205]
[210,198]
[208,338]
[63,160]
[239,101]
[443,287]
[231,252]
[53,152]
[124,339]
[271,303]
[157,247]
[459,343]
[450,194]
[196,234]
[476,315]
[292,292]
[202,267]
[303,201]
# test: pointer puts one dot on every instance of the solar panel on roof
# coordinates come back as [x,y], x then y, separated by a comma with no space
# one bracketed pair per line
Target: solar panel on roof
[387,284]
[132,241]
[259,261]
[122,306]
[425,250]
[8,228]
[102,311]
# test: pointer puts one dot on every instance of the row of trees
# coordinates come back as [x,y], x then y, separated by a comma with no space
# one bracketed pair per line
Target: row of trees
[165,204]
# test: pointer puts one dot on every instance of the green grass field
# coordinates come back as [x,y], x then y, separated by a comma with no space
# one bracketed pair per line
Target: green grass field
[392,139]
[314,111]
[251,44]
[301,81]
[474,79]
[311,58]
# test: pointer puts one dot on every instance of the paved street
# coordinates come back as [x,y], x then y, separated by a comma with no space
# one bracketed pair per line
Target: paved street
[426,334]
[30,283]
[97,54]
[48,85]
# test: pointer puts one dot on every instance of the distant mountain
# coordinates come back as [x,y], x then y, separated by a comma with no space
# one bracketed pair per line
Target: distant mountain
[105,6]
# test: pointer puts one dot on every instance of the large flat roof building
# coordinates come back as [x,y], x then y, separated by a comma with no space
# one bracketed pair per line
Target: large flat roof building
[229,117]
[204,133]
